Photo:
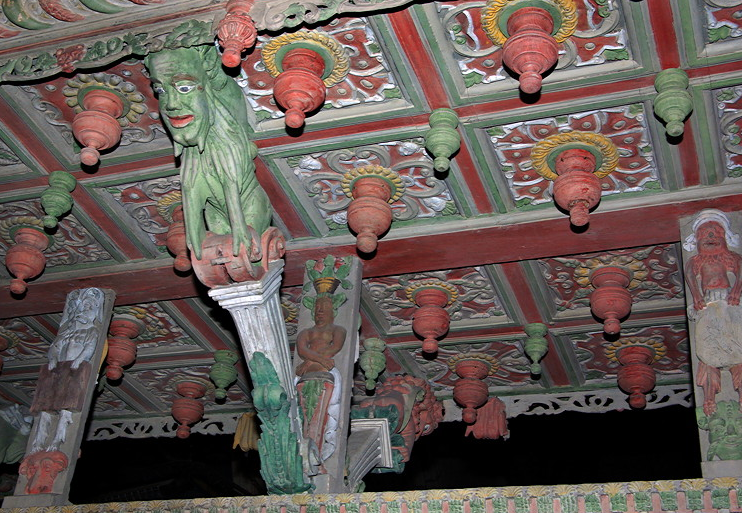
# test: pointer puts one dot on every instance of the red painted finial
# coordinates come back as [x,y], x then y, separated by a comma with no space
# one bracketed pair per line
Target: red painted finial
[530,50]
[299,87]
[188,409]
[577,189]
[236,32]
[610,300]
[96,127]
[122,350]
[635,376]
[26,260]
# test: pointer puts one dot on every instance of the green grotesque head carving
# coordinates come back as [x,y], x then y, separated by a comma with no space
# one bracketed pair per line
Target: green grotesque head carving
[205,112]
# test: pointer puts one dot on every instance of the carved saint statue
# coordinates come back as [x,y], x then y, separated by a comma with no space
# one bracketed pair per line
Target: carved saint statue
[205,113]
[62,386]
[714,277]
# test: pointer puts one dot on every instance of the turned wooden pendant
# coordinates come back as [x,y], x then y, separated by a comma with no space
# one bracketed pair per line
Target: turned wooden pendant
[299,88]
[530,50]
[577,189]
[610,300]
[636,377]
[188,409]
[176,241]
[25,259]
[122,350]
[431,320]
[96,127]
[470,390]
[236,32]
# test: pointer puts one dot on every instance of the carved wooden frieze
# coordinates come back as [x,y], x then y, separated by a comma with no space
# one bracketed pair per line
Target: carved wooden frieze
[626,127]
[320,176]
[723,20]
[477,303]
[729,110]
[70,244]
[108,402]
[600,38]
[598,360]
[655,275]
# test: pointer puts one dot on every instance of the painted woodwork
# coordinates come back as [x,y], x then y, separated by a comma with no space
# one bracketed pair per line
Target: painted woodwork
[236,32]
[728,103]
[491,423]
[26,258]
[412,410]
[470,390]
[599,40]
[725,427]
[371,189]
[625,127]
[122,349]
[714,279]
[176,241]
[57,199]
[610,301]
[372,361]
[431,320]
[208,131]
[673,103]
[15,427]
[536,345]
[442,140]
[655,275]
[96,126]
[635,376]
[187,409]
[223,373]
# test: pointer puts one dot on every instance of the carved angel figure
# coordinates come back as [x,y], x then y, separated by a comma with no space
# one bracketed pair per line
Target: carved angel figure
[714,277]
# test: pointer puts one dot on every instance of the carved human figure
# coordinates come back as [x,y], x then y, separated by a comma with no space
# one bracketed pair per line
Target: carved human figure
[318,345]
[319,384]
[59,390]
[205,113]
[714,278]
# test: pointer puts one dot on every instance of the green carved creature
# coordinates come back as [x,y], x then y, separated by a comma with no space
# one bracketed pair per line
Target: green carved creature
[725,430]
[204,110]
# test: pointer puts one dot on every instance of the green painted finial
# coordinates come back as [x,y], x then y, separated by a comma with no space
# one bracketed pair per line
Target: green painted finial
[373,360]
[443,140]
[223,372]
[57,199]
[673,103]
[536,345]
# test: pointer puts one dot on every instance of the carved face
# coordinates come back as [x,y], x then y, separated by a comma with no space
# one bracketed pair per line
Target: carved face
[180,82]
[41,469]
[711,238]
[323,314]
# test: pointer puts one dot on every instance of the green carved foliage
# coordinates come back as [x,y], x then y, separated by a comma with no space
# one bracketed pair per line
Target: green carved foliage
[280,460]
[725,431]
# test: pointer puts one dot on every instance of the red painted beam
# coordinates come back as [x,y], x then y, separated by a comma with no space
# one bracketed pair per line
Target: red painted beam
[21,131]
[281,202]
[663,30]
[155,281]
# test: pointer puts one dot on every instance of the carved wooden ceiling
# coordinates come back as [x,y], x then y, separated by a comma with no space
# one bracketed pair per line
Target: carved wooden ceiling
[488,227]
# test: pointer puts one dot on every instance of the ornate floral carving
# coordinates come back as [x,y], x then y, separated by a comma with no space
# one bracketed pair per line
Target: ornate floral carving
[7,156]
[161,330]
[477,300]
[625,127]
[107,402]
[723,20]
[729,109]
[597,356]
[368,78]
[424,196]
[148,203]
[600,37]
[655,275]
[512,369]
[26,343]
[71,244]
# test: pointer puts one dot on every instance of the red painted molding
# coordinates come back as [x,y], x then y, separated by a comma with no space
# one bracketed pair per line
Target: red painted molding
[469,171]
[466,247]
[663,30]
[689,157]
[411,41]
